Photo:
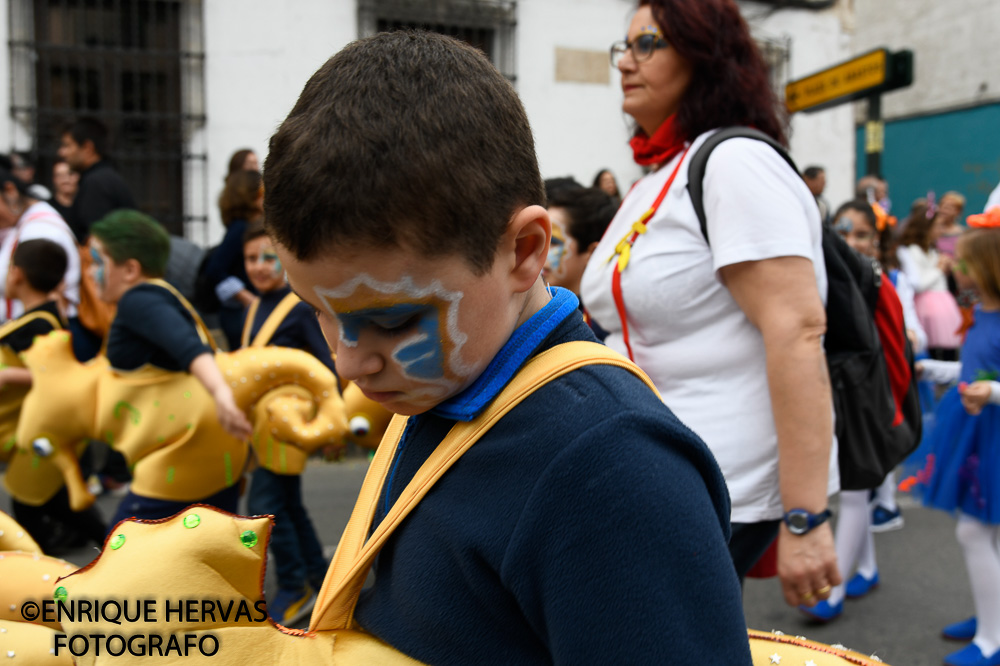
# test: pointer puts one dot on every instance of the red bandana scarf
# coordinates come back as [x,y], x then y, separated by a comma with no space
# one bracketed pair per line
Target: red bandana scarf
[659,148]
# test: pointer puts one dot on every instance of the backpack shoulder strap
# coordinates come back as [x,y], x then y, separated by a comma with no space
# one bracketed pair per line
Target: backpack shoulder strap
[696,167]
[355,555]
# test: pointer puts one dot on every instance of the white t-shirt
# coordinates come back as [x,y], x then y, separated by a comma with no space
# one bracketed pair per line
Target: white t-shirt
[41,220]
[685,329]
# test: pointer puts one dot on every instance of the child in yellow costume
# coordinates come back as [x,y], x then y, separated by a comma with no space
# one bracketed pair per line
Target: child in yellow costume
[154,331]
[38,494]
[279,318]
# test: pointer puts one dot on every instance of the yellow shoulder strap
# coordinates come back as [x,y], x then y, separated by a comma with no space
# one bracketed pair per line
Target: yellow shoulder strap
[354,557]
[203,332]
[248,323]
[16,324]
[272,322]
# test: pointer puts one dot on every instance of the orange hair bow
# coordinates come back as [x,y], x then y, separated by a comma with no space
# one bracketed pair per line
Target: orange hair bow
[882,218]
[988,220]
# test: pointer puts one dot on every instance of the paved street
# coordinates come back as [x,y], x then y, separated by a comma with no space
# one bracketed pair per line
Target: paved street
[923,580]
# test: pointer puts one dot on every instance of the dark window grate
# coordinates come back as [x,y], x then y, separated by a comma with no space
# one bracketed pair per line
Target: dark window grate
[137,65]
[488,25]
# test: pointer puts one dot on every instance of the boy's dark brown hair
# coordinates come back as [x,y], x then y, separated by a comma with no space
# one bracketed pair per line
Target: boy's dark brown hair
[43,263]
[590,211]
[402,139]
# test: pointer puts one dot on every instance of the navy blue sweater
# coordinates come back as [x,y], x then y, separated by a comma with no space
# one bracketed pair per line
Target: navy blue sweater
[587,526]
[298,330]
[152,326]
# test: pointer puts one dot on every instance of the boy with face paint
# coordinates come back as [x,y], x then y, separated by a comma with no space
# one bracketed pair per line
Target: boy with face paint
[276,487]
[152,327]
[404,198]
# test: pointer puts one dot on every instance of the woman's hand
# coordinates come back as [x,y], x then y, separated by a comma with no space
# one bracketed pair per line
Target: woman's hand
[807,565]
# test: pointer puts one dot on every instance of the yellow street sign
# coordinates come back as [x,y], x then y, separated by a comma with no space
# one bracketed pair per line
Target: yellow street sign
[847,80]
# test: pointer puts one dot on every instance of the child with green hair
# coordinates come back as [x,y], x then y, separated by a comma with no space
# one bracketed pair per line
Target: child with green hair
[154,326]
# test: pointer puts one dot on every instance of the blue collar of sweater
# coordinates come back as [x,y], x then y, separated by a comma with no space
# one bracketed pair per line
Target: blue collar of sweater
[522,344]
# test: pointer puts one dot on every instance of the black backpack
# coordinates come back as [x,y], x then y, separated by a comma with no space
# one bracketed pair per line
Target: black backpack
[871,439]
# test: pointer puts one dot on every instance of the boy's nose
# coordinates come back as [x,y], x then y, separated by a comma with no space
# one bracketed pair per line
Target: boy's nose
[356,361]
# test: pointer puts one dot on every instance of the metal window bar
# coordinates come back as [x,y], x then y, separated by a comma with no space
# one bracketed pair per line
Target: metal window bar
[138,66]
[489,25]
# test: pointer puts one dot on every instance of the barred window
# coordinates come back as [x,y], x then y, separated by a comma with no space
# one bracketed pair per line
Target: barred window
[488,25]
[137,66]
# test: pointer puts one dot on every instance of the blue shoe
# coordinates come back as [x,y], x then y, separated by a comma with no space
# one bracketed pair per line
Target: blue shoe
[884,520]
[960,631]
[859,586]
[823,611]
[971,655]
[290,606]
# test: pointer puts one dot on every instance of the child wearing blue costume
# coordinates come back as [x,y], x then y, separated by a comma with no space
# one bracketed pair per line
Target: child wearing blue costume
[963,464]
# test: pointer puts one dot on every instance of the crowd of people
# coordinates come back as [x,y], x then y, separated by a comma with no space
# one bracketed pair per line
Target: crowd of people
[711,451]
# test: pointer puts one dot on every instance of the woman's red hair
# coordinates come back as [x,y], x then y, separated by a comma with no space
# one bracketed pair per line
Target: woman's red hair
[729,82]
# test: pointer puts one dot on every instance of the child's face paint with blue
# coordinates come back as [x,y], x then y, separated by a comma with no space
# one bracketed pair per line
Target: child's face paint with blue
[420,353]
[410,330]
[95,256]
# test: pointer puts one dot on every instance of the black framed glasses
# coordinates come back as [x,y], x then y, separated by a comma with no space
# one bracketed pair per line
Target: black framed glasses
[642,48]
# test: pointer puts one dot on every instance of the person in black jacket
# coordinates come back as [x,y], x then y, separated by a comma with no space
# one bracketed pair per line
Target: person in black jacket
[101,190]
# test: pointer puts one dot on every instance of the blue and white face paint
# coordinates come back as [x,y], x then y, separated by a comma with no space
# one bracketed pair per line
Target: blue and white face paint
[418,323]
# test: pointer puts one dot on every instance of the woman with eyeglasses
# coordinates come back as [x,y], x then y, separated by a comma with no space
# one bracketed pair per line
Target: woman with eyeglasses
[730,331]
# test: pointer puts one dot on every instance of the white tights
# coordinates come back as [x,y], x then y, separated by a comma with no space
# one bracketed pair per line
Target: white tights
[886,493]
[981,546]
[854,542]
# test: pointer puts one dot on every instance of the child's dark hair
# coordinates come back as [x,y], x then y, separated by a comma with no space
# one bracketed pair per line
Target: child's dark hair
[255,230]
[590,211]
[859,206]
[128,234]
[43,263]
[917,232]
[980,250]
[403,138]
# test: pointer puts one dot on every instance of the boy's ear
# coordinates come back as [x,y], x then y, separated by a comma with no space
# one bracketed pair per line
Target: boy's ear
[133,269]
[14,275]
[530,230]
[590,250]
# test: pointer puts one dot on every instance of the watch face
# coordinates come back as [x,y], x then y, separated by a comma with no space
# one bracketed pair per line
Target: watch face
[798,523]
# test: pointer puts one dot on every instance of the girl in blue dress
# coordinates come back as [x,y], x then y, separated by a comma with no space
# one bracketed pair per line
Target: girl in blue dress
[963,464]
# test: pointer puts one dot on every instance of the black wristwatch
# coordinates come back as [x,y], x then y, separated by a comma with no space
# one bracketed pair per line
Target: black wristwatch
[801,522]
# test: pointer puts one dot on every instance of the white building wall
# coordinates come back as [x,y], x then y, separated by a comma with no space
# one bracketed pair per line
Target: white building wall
[579,128]
[956,62]
[258,56]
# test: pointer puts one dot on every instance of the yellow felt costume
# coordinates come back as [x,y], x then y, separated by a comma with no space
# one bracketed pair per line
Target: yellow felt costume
[272,453]
[30,478]
[165,422]
[367,420]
